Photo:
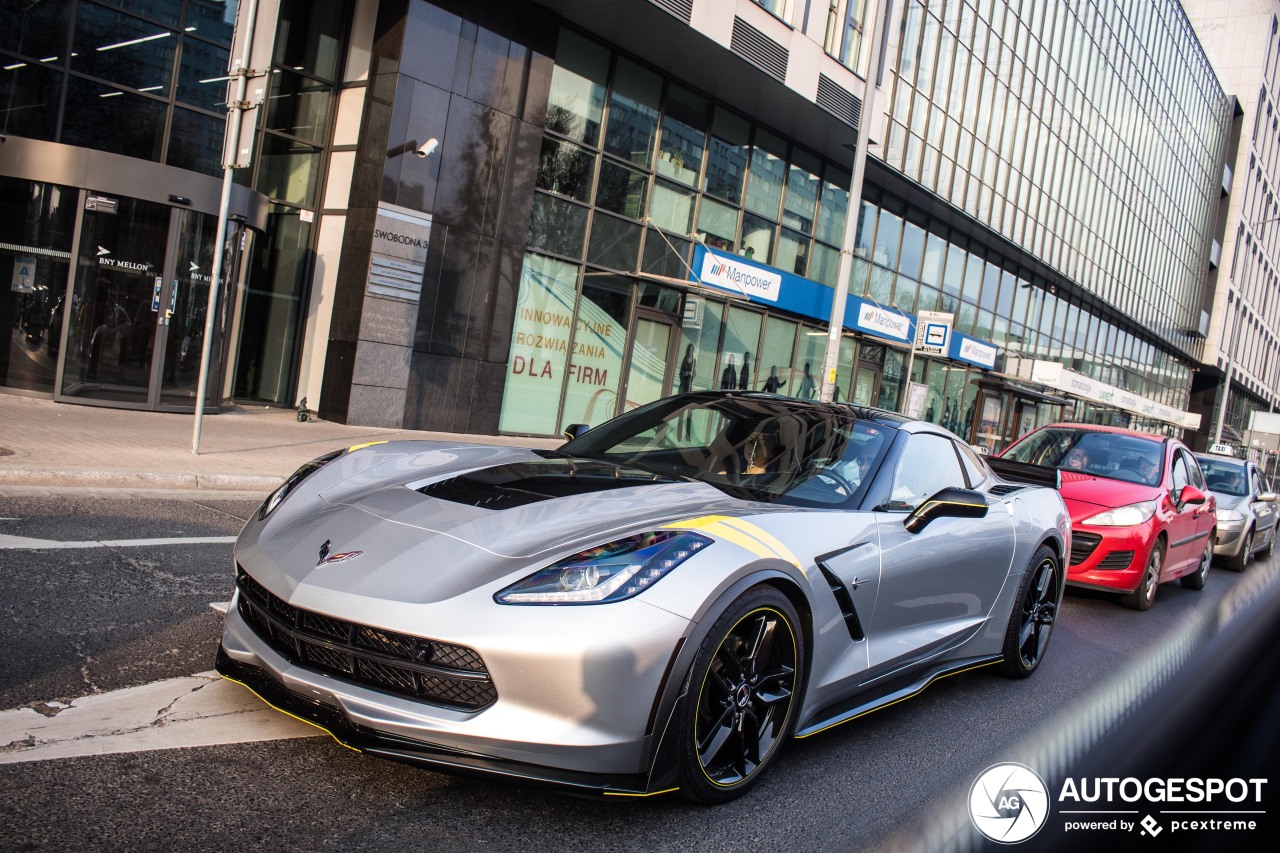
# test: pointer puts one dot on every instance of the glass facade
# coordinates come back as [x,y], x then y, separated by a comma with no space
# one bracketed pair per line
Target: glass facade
[1092,136]
[144,79]
[149,80]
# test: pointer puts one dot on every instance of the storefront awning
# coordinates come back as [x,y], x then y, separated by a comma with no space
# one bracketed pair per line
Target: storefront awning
[1053,375]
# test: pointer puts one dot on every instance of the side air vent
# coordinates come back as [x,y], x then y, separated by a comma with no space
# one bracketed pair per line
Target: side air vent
[758,49]
[839,101]
[682,9]
[1002,489]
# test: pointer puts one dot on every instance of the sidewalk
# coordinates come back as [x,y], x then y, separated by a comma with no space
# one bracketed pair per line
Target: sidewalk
[246,451]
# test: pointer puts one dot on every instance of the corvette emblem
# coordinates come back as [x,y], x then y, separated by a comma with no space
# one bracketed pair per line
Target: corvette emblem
[326,557]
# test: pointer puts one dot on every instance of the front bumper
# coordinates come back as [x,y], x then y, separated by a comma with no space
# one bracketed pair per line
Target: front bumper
[1109,558]
[583,716]
[1229,539]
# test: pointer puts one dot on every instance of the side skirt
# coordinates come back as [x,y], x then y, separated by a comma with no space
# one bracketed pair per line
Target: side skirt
[890,693]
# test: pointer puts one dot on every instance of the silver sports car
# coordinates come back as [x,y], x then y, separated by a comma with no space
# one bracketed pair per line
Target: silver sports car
[655,606]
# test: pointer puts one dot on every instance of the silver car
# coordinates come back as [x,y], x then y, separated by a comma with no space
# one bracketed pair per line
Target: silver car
[656,606]
[1246,509]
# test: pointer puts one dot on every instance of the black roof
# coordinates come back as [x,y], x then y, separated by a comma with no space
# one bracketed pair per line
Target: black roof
[866,413]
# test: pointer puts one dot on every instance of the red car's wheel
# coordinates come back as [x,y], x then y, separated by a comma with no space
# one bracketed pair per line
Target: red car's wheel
[1141,598]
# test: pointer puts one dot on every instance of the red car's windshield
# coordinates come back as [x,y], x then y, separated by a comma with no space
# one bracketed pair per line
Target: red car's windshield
[1101,454]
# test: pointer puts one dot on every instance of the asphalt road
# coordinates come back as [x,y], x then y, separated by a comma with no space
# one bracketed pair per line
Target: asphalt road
[90,620]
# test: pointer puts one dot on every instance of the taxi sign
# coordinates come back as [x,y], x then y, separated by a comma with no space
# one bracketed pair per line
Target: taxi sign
[1222,450]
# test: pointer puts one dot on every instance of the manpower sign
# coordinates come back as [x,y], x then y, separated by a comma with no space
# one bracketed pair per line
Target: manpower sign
[1054,375]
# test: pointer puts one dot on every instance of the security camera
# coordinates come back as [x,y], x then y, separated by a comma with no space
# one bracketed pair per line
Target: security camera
[428,148]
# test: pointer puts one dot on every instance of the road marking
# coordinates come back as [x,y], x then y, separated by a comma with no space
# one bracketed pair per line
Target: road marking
[24,543]
[220,607]
[199,710]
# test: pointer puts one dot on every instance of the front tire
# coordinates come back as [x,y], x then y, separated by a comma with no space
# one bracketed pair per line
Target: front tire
[1034,612]
[742,696]
[1141,598]
[1237,563]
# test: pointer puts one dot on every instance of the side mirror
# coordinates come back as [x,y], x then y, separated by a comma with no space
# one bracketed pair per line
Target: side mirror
[947,503]
[572,431]
[1190,495]
[1267,497]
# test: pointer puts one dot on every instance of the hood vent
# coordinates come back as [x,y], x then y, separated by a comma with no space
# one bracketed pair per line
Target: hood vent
[523,483]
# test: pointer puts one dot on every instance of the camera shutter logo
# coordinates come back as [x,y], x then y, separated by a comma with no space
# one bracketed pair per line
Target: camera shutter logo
[1008,803]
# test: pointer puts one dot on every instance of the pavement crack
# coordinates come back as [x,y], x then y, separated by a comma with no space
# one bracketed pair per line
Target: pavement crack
[167,709]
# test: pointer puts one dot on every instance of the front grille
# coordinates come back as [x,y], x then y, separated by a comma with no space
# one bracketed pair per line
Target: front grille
[1082,545]
[417,667]
[1116,560]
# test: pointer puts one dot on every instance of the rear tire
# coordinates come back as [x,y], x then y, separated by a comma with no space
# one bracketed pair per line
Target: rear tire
[1034,611]
[741,698]
[1141,598]
[1196,579]
[1237,563]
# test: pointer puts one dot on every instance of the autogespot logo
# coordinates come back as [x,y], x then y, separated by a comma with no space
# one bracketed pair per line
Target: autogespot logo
[1008,803]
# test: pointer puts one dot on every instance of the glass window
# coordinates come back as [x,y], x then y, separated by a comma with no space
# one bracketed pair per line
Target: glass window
[811,352]
[539,346]
[718,225]
[288,170]
[202,78]
[768,174]
[599,341]
[757,238]
[565,168]
[802,191]
[833,207]
[672,207]
[309,36]
[28,98]
[665,255]
[37,30]
[727,158]
[123,49]
[195,142]
[621,189]
[633,112]
[824,267]
[934,252]
[928,464]
[684,133]
[990,287]
[741,336]
[912,250]
[212,19]
[615,243]
[557,225]
[887,236]
[775,357]
[137,122]
[793,252]
[298,106]
[576,101]
[699,345]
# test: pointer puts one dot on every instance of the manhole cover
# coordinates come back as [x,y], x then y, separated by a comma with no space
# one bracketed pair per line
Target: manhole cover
[4,451]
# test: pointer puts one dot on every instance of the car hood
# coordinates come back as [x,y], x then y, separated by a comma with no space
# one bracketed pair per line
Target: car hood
[425,539]
[1086,494]
[1225,501]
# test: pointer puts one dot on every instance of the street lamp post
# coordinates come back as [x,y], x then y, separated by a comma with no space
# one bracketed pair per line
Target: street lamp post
[835,326]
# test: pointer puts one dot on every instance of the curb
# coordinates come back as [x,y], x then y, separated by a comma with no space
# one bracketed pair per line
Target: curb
[139,480]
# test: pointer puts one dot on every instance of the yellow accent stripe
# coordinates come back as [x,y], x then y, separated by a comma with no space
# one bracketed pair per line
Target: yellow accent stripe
[287,714]
[912,695]
[765,537]
[928,504]
[650,794]
[739,532]
[353,448]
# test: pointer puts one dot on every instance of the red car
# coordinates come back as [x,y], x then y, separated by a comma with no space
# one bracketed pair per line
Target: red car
[1140,512]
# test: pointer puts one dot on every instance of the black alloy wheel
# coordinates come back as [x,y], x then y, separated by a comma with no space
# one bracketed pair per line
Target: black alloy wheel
[1031,622]
[741,696]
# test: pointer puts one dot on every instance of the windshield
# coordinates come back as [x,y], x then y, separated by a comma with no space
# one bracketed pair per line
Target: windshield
[1224,476]
[763,449]
[1101,454]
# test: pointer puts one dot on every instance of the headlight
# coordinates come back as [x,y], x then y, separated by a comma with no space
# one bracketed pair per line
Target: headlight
[1124,516]
[1230,515]
[611,572]
[273,500]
